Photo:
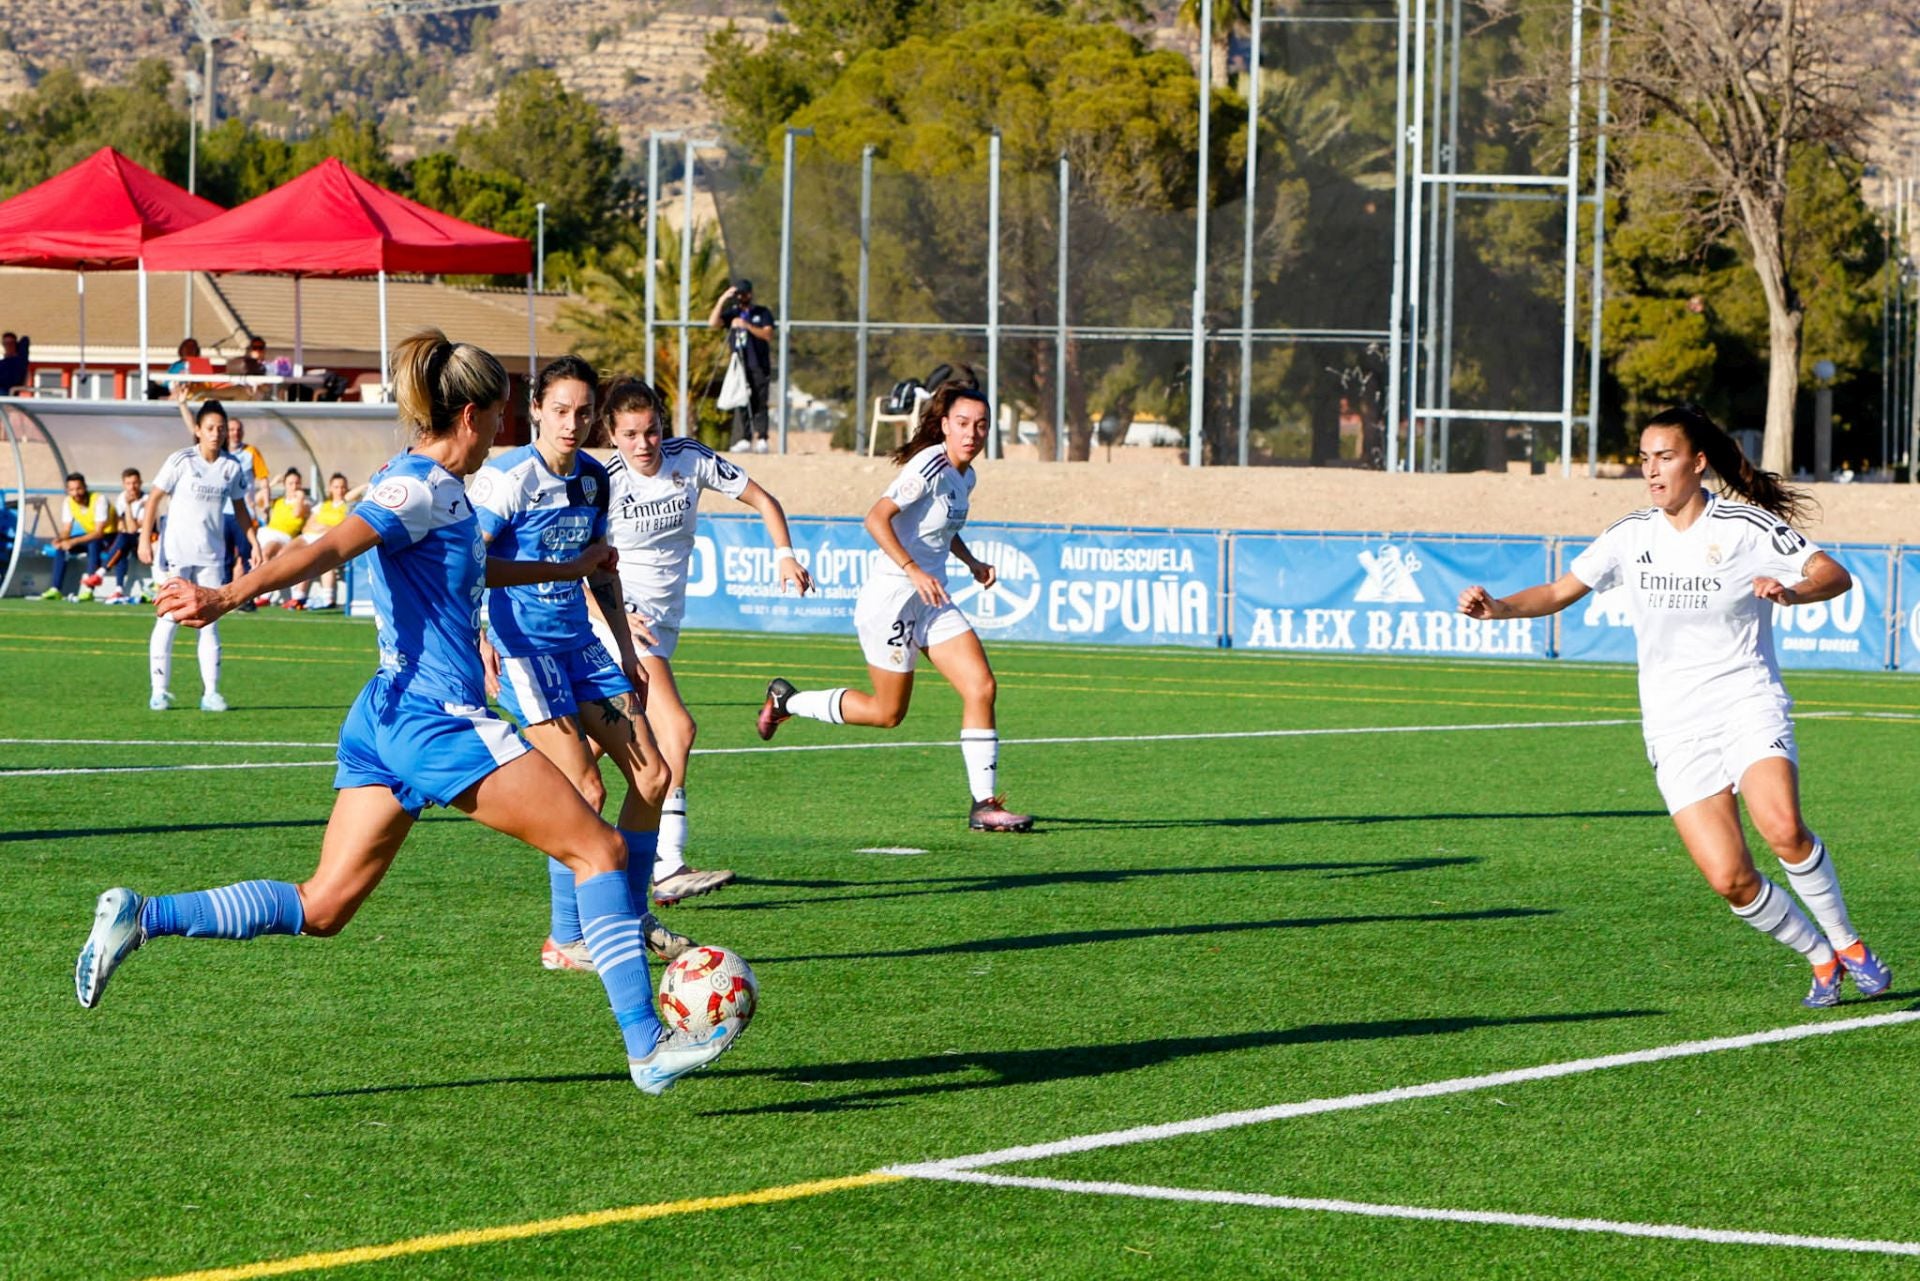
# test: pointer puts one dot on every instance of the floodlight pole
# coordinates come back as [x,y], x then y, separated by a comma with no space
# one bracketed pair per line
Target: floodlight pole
[994,442]
[1060,320]
[653,259]
[1397,307]
[784,322]
[860,423]
[1573,236]
[683,418]
[1597,283]
[540,247]
[1246,237]
[1196,410]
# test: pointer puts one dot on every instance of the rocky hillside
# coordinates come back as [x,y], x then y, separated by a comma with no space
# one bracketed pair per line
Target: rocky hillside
[641,60]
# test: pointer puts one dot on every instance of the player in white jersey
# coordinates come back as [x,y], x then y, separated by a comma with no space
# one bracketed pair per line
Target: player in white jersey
[903,608]
[202,487]
[1702,576]
[656,485]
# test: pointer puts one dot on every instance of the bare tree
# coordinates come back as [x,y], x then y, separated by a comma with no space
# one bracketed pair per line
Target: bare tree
[1738,86]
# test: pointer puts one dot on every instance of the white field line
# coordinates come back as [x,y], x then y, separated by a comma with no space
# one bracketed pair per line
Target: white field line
[1665,1231]
[1375,1098]
[162,769]
[885,745]
[888,744]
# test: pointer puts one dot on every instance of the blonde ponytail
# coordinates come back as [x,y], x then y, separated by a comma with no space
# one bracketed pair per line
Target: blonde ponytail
[434,379]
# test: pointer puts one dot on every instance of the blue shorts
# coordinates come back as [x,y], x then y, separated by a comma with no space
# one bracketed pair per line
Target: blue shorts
[425,751]
[544,687]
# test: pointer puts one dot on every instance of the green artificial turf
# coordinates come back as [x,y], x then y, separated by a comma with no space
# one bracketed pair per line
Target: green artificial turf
[1197,925]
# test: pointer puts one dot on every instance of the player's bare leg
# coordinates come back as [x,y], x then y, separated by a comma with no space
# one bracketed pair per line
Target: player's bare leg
[1771,790]
[1710,829]
[616,725]
[963,661]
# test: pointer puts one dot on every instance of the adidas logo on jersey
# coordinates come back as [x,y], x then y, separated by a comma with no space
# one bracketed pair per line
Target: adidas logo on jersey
[1779,745]
[1646,558]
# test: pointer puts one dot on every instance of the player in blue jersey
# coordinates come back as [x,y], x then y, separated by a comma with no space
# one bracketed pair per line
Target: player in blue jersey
[420,733]
[547,501]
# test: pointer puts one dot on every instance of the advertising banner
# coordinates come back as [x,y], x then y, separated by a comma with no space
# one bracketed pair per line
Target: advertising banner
[1351,594]
[1907,636]
[1847,632]
[1111,587]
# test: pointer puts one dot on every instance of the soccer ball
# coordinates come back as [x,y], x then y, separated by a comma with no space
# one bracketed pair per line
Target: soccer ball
[706,987]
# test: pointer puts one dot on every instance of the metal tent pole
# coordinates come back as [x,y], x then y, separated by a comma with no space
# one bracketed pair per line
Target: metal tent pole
[80,371]
[141,393]
[386,377]
[299,343]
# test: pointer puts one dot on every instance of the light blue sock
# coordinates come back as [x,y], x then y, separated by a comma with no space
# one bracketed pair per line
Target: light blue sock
[641,849]
[612,930]
[562,908]
[242,911]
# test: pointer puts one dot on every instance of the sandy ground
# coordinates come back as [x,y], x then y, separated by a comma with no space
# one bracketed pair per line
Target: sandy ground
[1156,492]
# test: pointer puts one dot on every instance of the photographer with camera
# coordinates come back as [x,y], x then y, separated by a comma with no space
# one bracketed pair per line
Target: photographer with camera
[749,329]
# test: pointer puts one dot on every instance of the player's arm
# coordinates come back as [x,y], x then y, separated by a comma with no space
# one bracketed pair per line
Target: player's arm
[1534,602]
[879,524]
[787,566]
[249,526]
[521,573]
[604,600]
[194,606]
[982,572]
[1824,579]
[149,519]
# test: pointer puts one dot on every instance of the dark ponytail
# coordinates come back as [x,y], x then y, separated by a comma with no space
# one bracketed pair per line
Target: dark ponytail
[938,406]
[1764,489]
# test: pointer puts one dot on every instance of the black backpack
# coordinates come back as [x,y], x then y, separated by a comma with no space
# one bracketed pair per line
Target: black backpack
[901,399]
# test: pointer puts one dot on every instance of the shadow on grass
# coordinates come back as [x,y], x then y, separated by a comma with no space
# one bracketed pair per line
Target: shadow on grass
[1018,1067]
[1346,820]
[1070,938]
[995,883]
[992,1069]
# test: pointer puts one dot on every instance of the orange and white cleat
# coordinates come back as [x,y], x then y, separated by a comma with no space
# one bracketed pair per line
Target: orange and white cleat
[566,956]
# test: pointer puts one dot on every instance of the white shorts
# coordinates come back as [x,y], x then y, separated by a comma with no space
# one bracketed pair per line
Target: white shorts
[1689,770]
[666,640]
[894,624]
[271,537]
[201,575]
[314,534]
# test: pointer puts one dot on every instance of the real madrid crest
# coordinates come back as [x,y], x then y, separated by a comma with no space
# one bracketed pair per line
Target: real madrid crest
[1713,553]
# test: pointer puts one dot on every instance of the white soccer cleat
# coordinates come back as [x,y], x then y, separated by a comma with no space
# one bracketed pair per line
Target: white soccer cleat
[160,702]
[676,1054]
[689,882]
[212,703]
[566,956]
[115,935]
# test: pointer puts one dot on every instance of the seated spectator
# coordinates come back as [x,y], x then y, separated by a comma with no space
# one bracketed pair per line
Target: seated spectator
[254,362]
[129,509]
[326,514]
[286,522]
[185,354]
[13,361]
[90,524]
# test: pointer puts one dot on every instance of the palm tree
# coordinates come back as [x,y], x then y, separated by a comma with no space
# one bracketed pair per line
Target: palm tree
[610,326]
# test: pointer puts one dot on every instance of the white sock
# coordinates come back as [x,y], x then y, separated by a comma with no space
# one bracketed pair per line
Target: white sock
[210,658]
[818,705]
[1774,913]
[160,653]
[980,748]
[673,829]
[1818,886]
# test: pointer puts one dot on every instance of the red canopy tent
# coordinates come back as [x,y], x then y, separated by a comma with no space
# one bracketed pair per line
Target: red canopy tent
[100,215]
[332,222]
